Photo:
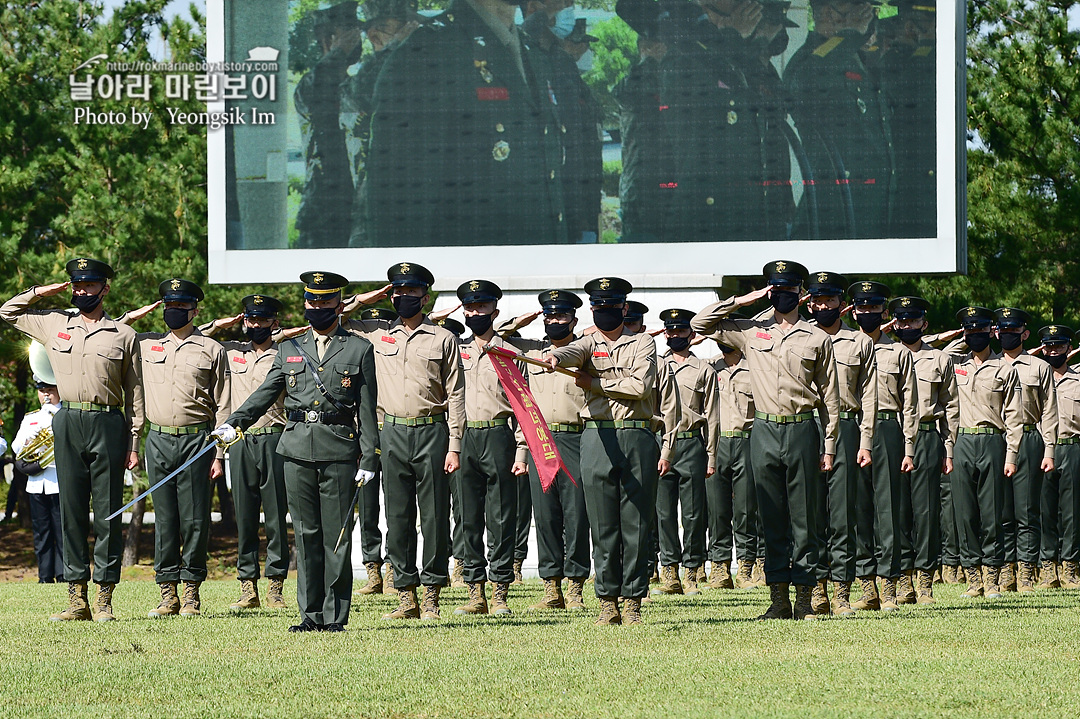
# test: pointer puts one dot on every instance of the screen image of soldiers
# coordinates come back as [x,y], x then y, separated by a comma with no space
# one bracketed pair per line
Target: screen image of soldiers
[842,117]
[96,432]
[466,141]
[324,218]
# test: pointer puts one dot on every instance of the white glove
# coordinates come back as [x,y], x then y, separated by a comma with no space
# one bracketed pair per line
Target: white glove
[226,433]
[363,476]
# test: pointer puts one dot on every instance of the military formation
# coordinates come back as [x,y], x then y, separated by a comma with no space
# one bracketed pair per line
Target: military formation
[813,452]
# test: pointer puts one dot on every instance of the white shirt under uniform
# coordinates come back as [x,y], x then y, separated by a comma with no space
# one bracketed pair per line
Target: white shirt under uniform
[34,422]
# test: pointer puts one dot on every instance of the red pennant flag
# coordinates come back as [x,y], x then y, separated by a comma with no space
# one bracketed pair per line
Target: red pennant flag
[541,444]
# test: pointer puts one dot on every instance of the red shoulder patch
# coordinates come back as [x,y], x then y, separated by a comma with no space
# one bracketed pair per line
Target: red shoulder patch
[63,335]
[294,359]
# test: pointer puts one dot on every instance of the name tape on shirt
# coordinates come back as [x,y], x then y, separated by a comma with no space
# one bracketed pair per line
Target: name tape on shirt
[961,371]
[294,359]
[63,335]
[600,354]
[157,348]
[239,360]
[764,336]
[391,340]
[487,94]
[465,355]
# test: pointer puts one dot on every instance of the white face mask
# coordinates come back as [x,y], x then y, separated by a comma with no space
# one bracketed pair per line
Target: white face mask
[564,23]
[585,62]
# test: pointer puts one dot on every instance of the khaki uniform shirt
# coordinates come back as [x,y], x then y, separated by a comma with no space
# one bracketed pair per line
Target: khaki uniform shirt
[247,370]
[1038,398]
[699,399]
[485,398]
[938,399]
[898,389]
[736,395]
[97,362]
[557,396]
[792,371]
[668,414]
[419,372]
[857,379]
[990,397]
[1068,395]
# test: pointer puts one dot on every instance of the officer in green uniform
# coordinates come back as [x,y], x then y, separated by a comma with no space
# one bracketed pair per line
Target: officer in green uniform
[328,376]
[793,373]
[96,431]
[620,458]
[465,136]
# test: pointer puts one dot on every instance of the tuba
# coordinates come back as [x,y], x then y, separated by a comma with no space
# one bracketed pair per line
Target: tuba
[40,448]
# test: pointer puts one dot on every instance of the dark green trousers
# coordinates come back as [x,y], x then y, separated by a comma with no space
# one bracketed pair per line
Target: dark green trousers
[683,488]
[413,459]
[370,534]
[258,480]
[920,505]
[1023,495]
[877,504]
[489,492]
[319,501]
[562,524]
[1060,507]
[838,490]
[458,537]
[618,468]
[978,493]
[181,506]
[950,541]
[732,500]
[91,449]
[786,464]
[524,518]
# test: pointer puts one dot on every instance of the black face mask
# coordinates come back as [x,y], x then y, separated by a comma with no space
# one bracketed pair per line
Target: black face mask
[407,306]
[869,321]
[479,324]
[827,318]
[977,341]
[1056,361]
[784,301]
[87,303]
[321,319]
[1011,340]
[557,330]
[258,335]
[176,317]
[910,336]
[607,319]
[678,344]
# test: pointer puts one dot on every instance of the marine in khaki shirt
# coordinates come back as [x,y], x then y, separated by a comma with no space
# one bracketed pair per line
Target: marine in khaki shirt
[1060,518]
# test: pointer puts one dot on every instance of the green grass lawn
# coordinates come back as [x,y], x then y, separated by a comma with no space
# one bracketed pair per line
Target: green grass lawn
[695,657]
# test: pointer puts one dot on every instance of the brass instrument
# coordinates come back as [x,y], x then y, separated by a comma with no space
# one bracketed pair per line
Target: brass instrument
[39,449]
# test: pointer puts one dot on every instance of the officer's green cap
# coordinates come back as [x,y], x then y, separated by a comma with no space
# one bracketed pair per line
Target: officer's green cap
[177,290]
[674,319]
[971,318]
[908,308]
[322,285]
[452,325]
[478,291]
[84,269]
[774,12]
[608,290]
[826,284]
[554,301]
[409,274]
[635,312]
[262,306]
[379,313]
[1056,335]
[785,273]
[1011,317]
[869,293]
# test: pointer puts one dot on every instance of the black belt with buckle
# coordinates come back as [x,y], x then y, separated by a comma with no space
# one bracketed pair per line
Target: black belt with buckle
[311,416]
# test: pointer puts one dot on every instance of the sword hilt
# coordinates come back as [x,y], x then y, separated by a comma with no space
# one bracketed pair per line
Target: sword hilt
[226,445]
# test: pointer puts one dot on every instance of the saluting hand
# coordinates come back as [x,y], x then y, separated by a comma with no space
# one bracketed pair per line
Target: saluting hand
[888,326]
[443,314]
[225,322]
[50,290]
[752,297]
[293,332]
[136,315]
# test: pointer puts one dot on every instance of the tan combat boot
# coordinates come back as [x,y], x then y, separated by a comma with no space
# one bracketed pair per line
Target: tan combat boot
[103,611]
[553,596]
[170,602]
[819,598]
[974,580]
[408,607]
[249,596]
[1025,579]
[780,603]
[690,582]
[78,608]
[841,603]
[499,595]
[575,593]
[1008,577]
[869,601]
[721,576]
[518,578]
[905,588]
[477,603]
[190,602]
[937,578]
[803,609]
[457,577]
[758,572]
[888,595]
[992,583]
[275,593]
[744,579]
[388,581]
[609,612]
[1070,577]
[950,574]
[632,611]
[429,607]
[374,579]
[925,588]
[669,581]
[1048,578]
